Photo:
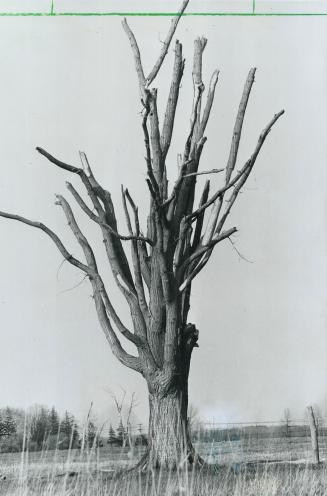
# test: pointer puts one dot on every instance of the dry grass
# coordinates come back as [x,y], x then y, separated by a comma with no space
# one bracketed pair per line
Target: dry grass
[250,480]
[94,473]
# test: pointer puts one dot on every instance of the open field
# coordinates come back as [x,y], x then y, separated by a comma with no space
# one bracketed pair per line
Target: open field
[273,467]
[250,480]
[233,453]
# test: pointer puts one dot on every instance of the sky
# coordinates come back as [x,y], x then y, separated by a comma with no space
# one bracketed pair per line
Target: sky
[69,84]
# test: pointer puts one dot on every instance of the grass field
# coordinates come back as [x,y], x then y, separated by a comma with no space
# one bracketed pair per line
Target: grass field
[250,468]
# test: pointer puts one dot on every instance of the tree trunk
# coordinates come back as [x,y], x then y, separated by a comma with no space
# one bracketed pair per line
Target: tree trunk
[314,435]
[169,440]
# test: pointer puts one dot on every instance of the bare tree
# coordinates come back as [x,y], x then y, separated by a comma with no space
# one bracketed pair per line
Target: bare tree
[314,434]
[318,414]
[125,407]
[178,244]
[132,405]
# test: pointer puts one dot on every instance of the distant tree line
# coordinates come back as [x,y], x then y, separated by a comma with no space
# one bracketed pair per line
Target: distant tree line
[38,428]
[42,428]
[252,432]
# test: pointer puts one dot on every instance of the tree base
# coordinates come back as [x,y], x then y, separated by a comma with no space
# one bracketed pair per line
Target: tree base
[144,465]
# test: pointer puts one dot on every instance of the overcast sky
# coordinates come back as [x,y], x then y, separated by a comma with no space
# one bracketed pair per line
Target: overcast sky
[68,84]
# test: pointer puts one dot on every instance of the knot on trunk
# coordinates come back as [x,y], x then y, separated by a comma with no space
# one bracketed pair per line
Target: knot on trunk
[190,336]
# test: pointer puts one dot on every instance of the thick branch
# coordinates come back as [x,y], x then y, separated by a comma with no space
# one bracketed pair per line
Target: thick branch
[200,219]
[152,179]
[101,200]
[85,164]
[97,219]
[209,102]
[168,124]
[219,193]
[67,256]
[166,44]
[199,46]
[171,335]
[193,149]
[215,212]
[194,118]
[181,189]
[135,255]
[204,251]
[198,86]
[244,177]
[144,261]
[241,178]
[157,163]
[239,124]
[83,242]
[212,171]
[117,258]
[90,258]
[114,248]
[177,184]
[116,347]
[182,238]
[136,54]
[59,163]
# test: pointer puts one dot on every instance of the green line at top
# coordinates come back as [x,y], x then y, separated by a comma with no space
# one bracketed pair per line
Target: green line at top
[160,14]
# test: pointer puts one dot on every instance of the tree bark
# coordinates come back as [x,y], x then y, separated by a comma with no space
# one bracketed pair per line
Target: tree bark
[169,436]
[169,439]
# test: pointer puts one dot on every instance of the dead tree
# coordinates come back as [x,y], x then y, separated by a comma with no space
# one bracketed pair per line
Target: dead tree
[128,408]
[314,434]
[132,405]
[181,236]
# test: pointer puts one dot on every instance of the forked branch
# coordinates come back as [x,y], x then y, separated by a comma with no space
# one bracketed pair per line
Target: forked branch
[102,202]
[96,280]
[248,170]
[98,220]
[243,172]
[144,82]
[238,181]
[117,349]
[204,253]
[202,250]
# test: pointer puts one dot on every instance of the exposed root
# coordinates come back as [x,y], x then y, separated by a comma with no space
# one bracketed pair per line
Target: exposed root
[145,466]
[141,465]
